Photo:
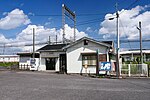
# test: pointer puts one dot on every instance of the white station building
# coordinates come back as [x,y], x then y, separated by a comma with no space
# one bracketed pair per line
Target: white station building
[80,56]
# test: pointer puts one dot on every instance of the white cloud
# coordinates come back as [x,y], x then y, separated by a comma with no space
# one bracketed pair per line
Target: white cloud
[88,29]
[3,40]
[129,20]
[22,4]
[5,13]
[47,23]
[41,36]
[14,19]
[31,14]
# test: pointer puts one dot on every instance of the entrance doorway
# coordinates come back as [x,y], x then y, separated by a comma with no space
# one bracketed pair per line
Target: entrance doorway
[63,63]
[50,63]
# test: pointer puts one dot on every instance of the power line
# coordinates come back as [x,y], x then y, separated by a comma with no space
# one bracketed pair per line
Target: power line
[133,3]
[59,15]
[125,34]
[43,43]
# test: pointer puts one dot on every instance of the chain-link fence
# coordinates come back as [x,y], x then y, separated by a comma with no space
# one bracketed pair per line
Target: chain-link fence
[134,70]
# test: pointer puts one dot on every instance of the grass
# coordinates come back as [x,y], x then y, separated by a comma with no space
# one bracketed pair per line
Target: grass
[8,64]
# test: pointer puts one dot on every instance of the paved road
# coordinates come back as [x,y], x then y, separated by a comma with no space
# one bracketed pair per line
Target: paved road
[46,86]
[3,68]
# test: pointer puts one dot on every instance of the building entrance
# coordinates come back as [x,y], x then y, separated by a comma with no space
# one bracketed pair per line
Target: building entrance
[50,63]
[63,63]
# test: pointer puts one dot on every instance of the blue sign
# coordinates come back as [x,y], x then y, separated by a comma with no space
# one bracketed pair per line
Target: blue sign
[105,66]
[32,61]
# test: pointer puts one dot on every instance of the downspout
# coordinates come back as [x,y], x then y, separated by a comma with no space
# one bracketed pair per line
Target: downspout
[97,65]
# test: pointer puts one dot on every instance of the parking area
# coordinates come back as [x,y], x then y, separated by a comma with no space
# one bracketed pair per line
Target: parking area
[23,85]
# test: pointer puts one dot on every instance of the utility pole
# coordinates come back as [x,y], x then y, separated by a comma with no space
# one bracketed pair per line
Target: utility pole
[4,49]
[3,53]
[139,28]
[33,56]
[118,43]
[74,27]
[118,46]
[56,39]
[63,22]
[49,41]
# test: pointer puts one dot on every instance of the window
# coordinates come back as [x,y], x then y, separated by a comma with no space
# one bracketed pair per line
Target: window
[85,42]
[89,60]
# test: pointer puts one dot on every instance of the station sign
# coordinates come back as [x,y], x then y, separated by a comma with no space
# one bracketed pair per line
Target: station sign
[104,66]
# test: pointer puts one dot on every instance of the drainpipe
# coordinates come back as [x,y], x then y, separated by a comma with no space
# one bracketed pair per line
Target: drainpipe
[97,65]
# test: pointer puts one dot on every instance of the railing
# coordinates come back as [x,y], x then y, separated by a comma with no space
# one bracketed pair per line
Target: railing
[24,67]
[134,70]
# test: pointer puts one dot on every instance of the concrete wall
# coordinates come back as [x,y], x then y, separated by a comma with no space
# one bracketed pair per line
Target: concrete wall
[74,57]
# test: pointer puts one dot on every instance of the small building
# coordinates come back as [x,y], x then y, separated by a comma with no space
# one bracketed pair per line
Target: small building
[24,59]
[77,57]
[9,58]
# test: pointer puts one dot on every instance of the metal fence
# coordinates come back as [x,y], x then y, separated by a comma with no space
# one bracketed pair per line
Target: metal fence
[134,70]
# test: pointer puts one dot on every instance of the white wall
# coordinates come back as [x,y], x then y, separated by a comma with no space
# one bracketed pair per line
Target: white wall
[26,63]
[9,58]
[74,57]
[42,66]
[57,65]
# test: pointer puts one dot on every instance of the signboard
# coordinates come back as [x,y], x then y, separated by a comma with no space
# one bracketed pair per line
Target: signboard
[105,66]
[32,61]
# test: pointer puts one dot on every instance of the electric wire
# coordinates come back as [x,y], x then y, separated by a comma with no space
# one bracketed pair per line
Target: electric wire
[125,33]
[132,4]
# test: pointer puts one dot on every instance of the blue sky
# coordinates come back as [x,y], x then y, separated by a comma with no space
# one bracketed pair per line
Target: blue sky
[92,20]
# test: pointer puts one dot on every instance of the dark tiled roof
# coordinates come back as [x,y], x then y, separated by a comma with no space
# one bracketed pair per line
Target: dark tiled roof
[52,47]
[107,42]
[28,54]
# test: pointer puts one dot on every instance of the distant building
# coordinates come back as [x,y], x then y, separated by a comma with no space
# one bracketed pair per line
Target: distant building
[133,55]
[24,59]
[9,58]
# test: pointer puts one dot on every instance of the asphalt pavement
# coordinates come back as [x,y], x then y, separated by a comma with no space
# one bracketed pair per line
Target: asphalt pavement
[23,85]
[3,68]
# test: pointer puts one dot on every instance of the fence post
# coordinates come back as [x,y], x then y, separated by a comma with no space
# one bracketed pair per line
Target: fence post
[129,70]
[24,66]
[27,67]
[120,70]
[148,67]
[21,66]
